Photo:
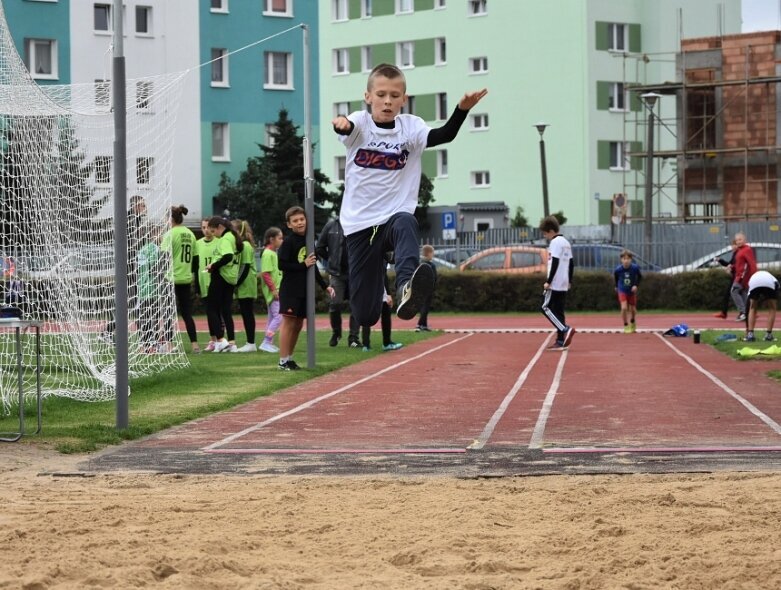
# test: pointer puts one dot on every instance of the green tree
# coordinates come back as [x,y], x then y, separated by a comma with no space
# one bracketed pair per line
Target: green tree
[425,198]
[519,219]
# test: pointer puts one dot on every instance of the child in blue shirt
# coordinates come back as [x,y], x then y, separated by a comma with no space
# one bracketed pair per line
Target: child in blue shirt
[628,277]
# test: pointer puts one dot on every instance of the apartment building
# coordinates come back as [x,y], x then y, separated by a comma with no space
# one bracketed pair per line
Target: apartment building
[244,61]
[567,63]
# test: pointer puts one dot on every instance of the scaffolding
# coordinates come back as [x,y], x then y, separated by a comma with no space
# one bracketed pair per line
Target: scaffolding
[725,162]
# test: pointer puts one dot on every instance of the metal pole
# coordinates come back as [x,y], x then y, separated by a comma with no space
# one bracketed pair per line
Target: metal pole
[309,207]
[545,207]
[120,220]
[649,187]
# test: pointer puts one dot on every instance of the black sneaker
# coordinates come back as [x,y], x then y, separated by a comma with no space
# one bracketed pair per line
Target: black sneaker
[354,344]
[289,365]
[412,294]
[334,340]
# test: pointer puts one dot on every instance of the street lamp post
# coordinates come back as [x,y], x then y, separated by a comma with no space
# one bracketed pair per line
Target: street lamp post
[545,208]
[649,99]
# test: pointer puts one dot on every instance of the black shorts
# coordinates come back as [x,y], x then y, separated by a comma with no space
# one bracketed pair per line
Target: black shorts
[292,305]
[760,294]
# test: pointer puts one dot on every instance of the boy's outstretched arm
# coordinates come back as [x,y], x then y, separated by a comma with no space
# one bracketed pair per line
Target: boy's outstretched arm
[342,125]
[449,130]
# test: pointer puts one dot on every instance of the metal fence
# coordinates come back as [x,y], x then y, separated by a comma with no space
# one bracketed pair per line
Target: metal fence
[672,243]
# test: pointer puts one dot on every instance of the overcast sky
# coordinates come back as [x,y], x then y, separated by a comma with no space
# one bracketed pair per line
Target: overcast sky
[761,15]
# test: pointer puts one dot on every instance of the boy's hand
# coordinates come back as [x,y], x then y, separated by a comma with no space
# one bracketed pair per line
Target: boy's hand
[331,291]
[310,259]
[341,123]
[470,99]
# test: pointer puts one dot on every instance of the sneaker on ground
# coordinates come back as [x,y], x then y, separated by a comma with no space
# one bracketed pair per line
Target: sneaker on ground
[568,336]
[749,338]
[334,340]
[627,329]
[210,346]
[221,345]
[288,365]
[354,344]
[741,317]
[366,349]
[633,328]
[268,347]
[413,293]
[720,314]
[556,347]
[232,348]
[392,346]
[769,337]
[246,348]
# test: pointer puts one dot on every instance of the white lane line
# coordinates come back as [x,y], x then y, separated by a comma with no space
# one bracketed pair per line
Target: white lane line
[480,442]
[747,404]
[542,419]
[325,396]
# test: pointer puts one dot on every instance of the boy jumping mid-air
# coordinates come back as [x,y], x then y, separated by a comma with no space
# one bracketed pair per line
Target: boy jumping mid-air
[382,178]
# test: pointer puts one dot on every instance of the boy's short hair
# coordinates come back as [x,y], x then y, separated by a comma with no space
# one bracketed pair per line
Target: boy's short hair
[549,223]
[386,71]
[294,210]
[627,254]
[428,250]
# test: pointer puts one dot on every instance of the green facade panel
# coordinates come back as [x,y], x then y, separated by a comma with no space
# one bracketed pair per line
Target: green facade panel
[421,5]
[430,163]
[603,95]
[424,52]
[603,155]
[635,162]
[635,45]
[383,7]
[384,53]
[426,106]
[354,9]
[355,59]
[603,41]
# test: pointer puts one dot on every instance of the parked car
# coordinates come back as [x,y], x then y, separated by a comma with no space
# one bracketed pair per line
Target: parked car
[512,259]
[454,255]
[768,258]
[605,257]
[442,264]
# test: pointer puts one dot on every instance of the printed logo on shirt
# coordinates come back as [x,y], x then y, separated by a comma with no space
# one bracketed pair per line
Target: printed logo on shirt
[381,160]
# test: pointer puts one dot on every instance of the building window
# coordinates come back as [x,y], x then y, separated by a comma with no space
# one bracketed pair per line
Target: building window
[219,6]
[405,6]
[478,65]
[279,72]
[102,18]
[408,108]
[440,51]
[477,7]
[278,7]
[616,37]
[42,59]
[144,170]
[619,155]
[479,122]
[442,163]
[481,179]
[144,20]
[103,94]
[219,66]
[341,108]
[440,4]
[366,58]
[442,106]
[341,61]
[220,142]
[366,8]
[339,10]
[270,135]
[617,98]
[405,54]
[103,169]
[340,162]
[143,95]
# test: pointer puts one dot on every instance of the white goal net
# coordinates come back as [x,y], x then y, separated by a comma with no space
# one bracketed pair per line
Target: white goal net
[57,233]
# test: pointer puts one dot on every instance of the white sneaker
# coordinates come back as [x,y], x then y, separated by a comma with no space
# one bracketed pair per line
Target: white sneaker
[246,348]
[221,345]
[268,347]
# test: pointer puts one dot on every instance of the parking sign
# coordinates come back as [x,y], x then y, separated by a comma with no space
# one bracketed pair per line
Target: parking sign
[449,225]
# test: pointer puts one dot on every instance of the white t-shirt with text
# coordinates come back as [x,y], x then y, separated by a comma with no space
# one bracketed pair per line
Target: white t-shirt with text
[560,248]
[382,171]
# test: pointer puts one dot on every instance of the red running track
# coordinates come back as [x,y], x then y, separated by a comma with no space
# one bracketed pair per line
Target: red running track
[478,390]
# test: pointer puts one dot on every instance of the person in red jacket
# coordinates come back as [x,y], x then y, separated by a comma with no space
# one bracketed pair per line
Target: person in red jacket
[745,266]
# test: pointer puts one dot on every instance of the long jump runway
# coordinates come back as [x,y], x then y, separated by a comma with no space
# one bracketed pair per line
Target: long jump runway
[482,404]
